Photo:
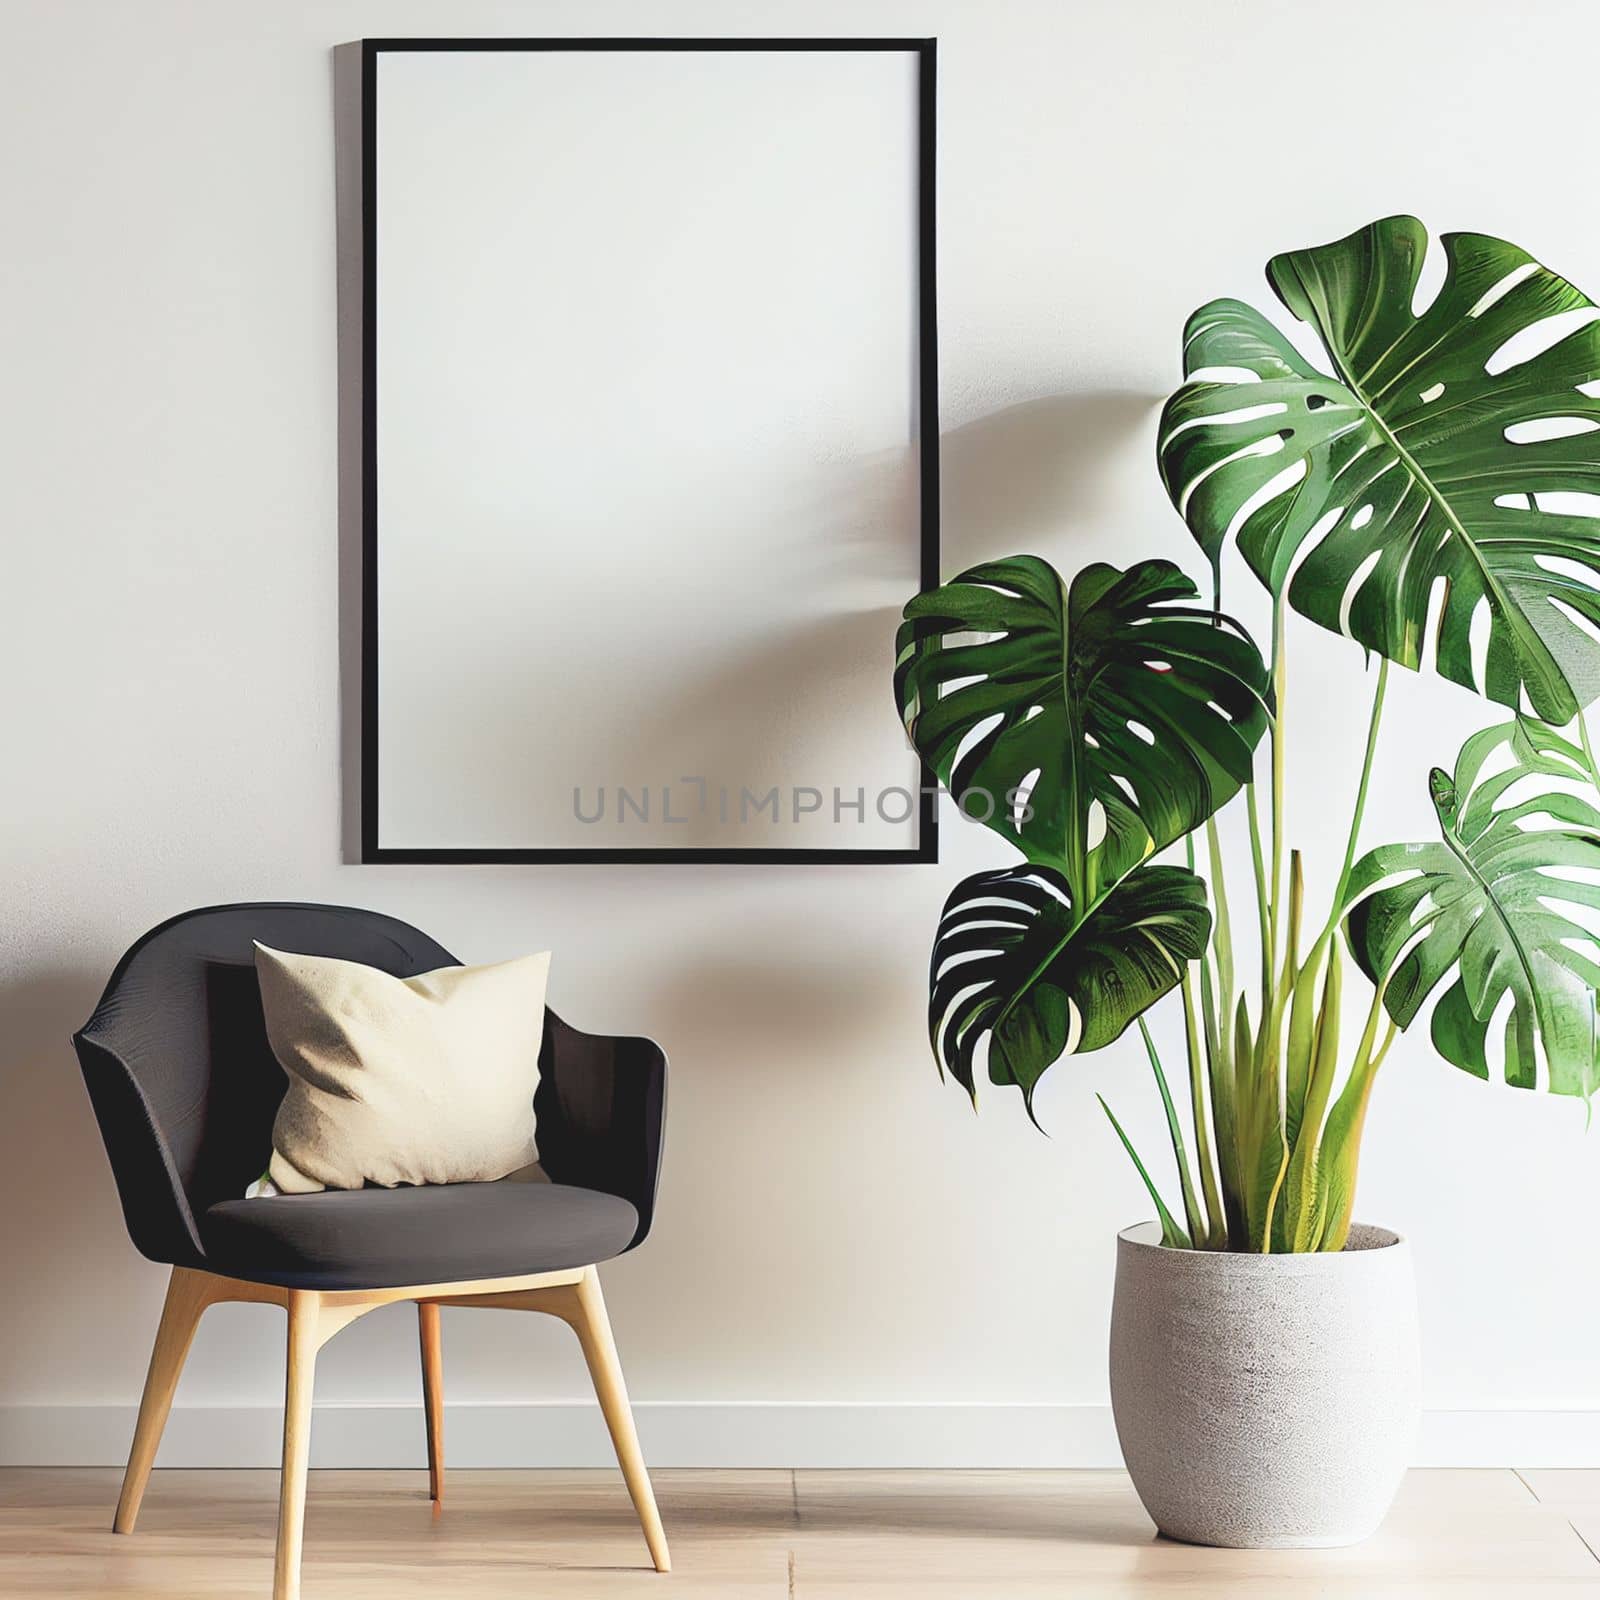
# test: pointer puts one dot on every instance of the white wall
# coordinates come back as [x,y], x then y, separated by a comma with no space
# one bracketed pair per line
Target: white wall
[834,1226]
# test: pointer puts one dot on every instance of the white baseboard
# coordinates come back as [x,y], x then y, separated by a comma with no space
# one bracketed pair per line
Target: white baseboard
[570,1434]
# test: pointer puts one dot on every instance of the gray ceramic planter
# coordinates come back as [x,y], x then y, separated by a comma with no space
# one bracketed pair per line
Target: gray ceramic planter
[1265,1400]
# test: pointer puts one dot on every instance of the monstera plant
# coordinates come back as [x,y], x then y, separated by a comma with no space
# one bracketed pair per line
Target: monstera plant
[1430,491]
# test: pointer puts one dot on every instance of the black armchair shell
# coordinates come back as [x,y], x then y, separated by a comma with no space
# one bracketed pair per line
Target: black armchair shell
[184,1086]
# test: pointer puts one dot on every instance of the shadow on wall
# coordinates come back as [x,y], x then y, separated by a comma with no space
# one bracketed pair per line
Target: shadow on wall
[63,1229]
[345,67]
[1031,478]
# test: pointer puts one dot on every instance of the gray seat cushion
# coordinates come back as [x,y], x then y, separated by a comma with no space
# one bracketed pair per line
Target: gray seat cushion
[444,1233]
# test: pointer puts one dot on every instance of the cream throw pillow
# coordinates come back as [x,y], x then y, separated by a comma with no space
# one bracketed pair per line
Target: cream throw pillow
[401,1080]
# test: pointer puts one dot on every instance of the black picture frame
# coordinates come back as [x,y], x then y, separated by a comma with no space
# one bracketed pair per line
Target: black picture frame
[926,848]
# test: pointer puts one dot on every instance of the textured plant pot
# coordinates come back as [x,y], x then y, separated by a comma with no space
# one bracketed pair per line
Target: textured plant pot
[1265,1401]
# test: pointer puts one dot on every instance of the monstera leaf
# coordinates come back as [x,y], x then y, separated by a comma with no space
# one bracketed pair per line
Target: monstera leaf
[1505,905]
[1440,463]
[1013,965]
[1132,714]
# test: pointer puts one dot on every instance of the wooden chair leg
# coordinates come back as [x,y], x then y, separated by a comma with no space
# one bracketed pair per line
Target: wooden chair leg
[433,1394]
[593,1327]
[305,1337]
[188,1294]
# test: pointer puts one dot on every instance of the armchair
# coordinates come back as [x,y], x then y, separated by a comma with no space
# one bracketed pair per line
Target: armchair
[184,1086]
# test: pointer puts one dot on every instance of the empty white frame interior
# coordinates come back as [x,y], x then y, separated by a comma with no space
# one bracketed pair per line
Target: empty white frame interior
[647,506]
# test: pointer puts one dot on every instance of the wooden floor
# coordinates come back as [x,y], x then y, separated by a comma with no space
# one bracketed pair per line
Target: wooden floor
[881,1536]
